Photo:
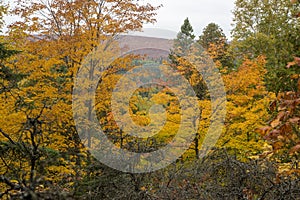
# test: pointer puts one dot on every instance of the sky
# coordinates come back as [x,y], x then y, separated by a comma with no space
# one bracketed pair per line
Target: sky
[199,12]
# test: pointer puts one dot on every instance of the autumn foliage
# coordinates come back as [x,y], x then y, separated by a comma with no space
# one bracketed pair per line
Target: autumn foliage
[42,155]
[283,130]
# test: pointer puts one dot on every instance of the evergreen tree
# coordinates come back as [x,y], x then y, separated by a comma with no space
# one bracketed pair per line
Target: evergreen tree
[212,34]
[184,40]
[187,29]
[6,73]
[8,77]
[215,42]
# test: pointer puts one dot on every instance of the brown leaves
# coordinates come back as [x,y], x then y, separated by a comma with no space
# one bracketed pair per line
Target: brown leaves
[273,106]
[295,2]
[295,149]
[295,62]
[279,118]
[263,130]
[283,128]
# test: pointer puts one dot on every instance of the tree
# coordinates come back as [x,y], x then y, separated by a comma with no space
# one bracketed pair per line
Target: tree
[212,34]
[181,49]
[74,32]
[282,131]
[214,41]
[268,28]
[184,40]
[247,102]
[36,116]
[187,29]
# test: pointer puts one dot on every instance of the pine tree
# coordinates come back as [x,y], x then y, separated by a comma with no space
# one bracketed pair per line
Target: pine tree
[184,40]
[187,28]
[212,34]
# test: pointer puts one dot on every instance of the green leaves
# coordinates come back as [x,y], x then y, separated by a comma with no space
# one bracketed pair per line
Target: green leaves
[271,29]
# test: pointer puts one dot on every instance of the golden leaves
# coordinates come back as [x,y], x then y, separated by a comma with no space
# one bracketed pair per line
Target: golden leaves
[247,106]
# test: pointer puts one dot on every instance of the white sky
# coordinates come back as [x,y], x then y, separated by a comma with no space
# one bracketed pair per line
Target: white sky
[199,12]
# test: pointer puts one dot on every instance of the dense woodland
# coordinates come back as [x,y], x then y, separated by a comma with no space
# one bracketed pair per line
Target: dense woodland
[42,156]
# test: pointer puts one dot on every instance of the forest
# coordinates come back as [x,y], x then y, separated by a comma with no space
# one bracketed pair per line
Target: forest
[217,118]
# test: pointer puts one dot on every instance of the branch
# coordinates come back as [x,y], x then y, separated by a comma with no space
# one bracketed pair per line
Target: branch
[7,136]
[12,186]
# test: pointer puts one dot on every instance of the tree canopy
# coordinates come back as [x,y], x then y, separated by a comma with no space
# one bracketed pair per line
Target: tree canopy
[53,55]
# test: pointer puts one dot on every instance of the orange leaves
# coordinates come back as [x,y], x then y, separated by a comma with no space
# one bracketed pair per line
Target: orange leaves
[248,80]
[263,130]
[216,50]
[63,17]
[247,106]
[295,62]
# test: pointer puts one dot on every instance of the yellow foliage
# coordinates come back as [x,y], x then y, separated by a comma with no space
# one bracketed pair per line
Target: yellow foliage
[247,107]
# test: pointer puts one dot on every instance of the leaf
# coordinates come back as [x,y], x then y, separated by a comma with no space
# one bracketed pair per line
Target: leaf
[297,59]
[278,145]
[294,120]
[294,76]
[295,149]
[272,135]
[273,106]
[275,123]
[295,62]
[263,130]
[286,128]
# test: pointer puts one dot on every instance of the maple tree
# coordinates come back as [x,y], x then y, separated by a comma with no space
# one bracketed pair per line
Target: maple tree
[247,102]
[179,58]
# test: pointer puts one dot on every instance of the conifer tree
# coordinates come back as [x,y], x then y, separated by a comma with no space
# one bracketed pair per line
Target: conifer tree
[184,40]
[212,34]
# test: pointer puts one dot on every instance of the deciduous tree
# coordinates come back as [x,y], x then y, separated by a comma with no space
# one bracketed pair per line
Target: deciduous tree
[268,28]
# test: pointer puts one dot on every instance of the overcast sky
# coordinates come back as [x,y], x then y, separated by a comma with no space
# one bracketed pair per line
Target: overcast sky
[199,12]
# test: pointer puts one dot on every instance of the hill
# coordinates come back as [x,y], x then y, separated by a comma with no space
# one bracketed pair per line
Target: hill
[155,48]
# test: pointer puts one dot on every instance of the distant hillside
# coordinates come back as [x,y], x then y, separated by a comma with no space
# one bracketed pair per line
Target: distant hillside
[155,33]
[155,48]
